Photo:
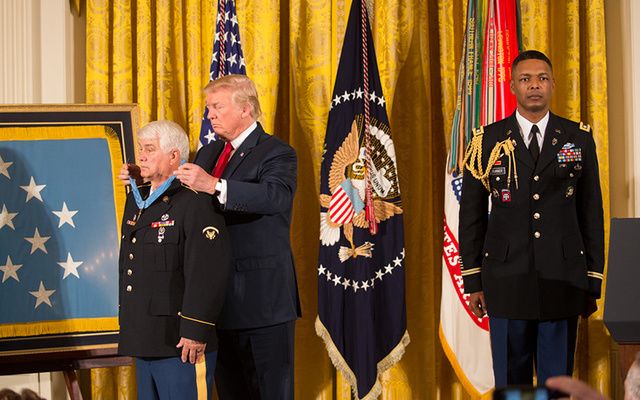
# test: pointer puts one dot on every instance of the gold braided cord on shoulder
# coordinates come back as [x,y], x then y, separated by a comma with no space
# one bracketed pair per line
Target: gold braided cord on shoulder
[473,158]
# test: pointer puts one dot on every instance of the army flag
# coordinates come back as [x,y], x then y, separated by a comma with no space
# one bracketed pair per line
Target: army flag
[490,45]
[226,58]
[361,301]
[59,230]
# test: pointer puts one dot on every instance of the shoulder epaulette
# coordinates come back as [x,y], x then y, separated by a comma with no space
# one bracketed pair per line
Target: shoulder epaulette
[189,187]
[585,127]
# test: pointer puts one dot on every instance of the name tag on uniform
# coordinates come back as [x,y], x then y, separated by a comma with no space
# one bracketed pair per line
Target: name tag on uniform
[498,171]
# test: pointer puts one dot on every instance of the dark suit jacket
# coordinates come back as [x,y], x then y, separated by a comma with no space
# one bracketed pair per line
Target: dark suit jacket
[261,183]
[173,277]
[540,254]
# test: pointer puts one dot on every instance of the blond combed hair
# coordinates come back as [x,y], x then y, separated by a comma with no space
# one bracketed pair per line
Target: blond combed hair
[243,91]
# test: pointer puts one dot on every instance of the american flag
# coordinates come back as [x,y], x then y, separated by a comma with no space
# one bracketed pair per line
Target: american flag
[227,56]
[58,234]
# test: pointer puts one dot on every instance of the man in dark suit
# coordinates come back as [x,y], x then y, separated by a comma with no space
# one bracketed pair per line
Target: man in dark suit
[252,175]
[534,261]
[175,260]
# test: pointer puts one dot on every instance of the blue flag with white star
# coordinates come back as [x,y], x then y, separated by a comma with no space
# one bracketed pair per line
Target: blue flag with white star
[58,231]
[227,56]
[361,302]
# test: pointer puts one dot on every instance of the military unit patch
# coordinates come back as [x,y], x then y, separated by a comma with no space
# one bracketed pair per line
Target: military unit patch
[506,196]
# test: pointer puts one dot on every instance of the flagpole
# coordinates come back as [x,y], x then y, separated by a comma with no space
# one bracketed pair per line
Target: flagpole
[221,27]
[370,208]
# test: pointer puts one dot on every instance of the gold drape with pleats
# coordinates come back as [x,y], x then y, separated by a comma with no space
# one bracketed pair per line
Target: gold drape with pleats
[158,56]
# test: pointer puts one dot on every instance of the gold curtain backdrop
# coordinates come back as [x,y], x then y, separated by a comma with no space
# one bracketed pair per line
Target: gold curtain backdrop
[157,54]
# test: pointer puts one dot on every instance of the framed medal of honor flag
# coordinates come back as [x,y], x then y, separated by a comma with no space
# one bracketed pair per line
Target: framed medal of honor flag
[60,210]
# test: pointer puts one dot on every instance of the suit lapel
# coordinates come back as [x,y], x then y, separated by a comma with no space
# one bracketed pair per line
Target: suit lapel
[554,139]
[241,152]
[208,155]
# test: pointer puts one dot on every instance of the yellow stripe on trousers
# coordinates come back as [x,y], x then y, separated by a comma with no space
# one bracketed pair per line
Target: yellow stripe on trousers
[201,378]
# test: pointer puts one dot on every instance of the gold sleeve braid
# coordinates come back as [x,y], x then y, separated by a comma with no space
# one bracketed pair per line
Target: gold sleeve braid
[473,158]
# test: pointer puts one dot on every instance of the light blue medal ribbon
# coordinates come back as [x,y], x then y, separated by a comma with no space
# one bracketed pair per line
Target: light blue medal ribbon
[142,204]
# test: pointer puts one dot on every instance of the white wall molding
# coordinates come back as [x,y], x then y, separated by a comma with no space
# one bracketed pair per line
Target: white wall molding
[18,48]
[42,56]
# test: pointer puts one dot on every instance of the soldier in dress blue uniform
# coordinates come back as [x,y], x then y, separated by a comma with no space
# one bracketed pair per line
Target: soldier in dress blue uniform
[533,261]
[175,262]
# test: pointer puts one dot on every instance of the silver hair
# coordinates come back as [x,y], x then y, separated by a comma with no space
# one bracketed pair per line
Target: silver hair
[170,135]
[632,382]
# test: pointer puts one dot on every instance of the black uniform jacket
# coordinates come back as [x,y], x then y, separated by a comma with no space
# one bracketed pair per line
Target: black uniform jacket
[174,268]
[261,183]
[540,250]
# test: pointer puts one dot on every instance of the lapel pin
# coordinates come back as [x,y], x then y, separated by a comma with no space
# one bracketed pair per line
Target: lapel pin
[558,130]
[509,132]
[554,141]
[165,199]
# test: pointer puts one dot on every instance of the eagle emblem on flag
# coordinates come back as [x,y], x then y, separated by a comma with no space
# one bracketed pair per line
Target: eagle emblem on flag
[345,204]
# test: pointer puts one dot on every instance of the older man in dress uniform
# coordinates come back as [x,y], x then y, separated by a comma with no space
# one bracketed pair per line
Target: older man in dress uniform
[175,261]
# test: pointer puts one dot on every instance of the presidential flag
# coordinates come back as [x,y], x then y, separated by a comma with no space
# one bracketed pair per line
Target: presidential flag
[361,303]
[227,56]
[489,47]
[58,230]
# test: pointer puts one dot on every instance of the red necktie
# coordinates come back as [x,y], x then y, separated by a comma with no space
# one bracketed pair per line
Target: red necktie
[223,160]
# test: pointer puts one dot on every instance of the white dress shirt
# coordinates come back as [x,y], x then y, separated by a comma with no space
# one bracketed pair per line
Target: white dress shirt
[525,128]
